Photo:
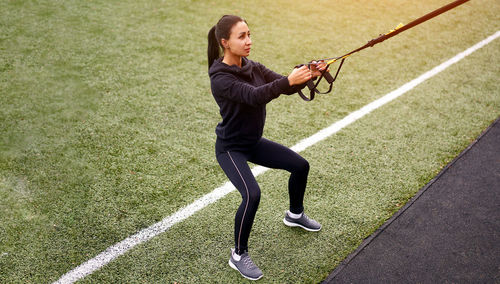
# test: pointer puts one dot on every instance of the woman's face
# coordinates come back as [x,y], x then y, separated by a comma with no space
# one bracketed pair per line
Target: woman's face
[239,42]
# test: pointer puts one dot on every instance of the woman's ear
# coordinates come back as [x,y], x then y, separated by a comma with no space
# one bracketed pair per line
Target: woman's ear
[224,43]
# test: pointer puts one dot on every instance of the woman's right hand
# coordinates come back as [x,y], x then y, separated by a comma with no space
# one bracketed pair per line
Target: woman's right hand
[299,76]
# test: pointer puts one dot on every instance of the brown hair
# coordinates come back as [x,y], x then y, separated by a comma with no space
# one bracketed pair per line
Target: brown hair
[222,30]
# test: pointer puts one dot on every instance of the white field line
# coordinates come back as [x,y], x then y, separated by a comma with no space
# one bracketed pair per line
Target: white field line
[144,235]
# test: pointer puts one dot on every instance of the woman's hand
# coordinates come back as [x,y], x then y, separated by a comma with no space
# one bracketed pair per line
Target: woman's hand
[299,76]
[303,74]
[317,68]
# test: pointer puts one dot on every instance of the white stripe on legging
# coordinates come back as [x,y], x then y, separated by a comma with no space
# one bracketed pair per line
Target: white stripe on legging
[246,205]
[146,234]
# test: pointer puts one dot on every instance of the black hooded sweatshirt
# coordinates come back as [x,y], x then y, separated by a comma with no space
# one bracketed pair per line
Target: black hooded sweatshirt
[242,95]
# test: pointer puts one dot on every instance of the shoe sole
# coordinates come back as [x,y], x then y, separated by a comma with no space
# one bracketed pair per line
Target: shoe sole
[247,277]
[290,224]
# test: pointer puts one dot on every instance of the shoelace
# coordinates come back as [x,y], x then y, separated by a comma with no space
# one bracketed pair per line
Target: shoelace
[306,218]
[309,221]
[247,261]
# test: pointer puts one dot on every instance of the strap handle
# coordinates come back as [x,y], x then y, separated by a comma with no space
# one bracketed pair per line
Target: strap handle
[313,87]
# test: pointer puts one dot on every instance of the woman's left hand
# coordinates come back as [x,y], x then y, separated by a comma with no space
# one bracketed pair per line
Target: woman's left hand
[317,68]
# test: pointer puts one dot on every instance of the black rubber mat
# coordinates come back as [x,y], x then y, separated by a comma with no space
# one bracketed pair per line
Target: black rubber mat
[448,233]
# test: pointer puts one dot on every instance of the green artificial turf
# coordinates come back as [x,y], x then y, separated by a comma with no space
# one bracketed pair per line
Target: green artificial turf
[107,126]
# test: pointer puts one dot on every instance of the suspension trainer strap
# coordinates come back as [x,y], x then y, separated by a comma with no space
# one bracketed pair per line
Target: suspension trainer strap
[400,28]
[313,87]
[328,77]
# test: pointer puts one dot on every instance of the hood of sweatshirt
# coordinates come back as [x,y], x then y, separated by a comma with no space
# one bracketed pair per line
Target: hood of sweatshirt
[245,72]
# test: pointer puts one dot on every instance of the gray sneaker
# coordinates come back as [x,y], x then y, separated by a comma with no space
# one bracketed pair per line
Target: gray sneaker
[245,266]
[304,222]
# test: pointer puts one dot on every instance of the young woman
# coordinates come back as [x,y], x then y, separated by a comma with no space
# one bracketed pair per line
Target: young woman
[242,88]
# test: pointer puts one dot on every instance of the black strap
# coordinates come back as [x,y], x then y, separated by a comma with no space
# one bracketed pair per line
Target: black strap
[310,85]
[400,28]
[313,87]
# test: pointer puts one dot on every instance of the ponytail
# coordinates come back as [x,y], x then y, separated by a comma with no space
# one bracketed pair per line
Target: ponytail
[213,47]
[218,32]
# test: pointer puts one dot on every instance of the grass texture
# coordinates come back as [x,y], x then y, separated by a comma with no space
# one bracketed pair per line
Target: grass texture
[107,126]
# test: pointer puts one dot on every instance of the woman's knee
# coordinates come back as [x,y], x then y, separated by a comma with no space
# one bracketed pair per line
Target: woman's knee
[254,197]
[251,197]
[302,166]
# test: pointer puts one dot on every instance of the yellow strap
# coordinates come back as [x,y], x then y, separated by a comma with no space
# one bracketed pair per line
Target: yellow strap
[396,28]
[336,59]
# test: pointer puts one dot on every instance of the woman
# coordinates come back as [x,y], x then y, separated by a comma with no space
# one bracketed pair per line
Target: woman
[242,88]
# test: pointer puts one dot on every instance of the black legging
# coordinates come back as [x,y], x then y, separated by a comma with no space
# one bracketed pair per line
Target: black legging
[268,154]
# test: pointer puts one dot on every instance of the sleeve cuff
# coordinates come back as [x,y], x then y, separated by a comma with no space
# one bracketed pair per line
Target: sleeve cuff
[284,85]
